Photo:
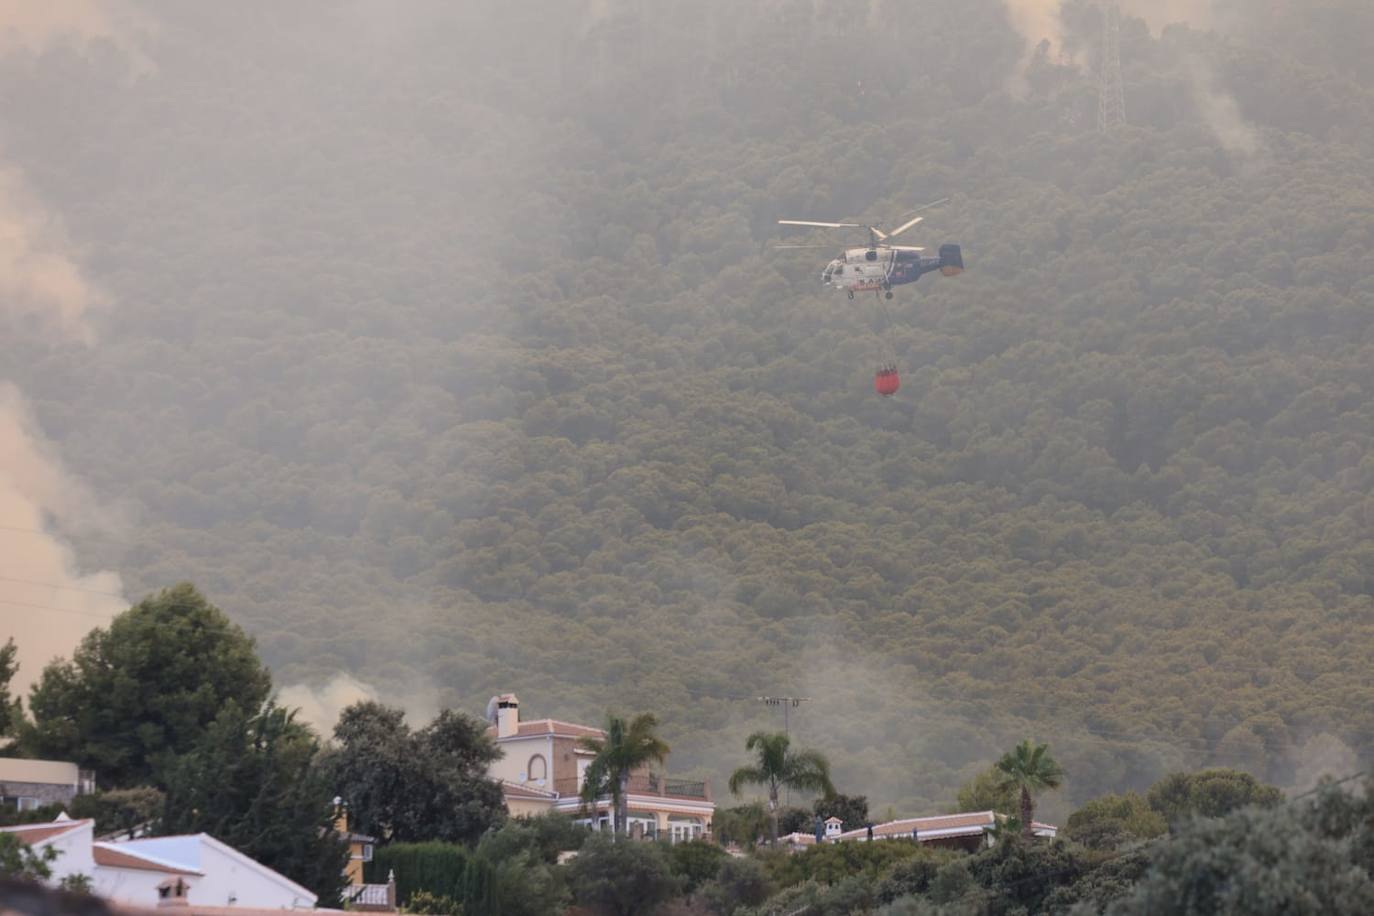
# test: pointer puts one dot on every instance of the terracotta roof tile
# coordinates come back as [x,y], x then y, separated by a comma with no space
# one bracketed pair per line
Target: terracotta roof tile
[116,858]
[973,822]
[550,727]
[515,790]
[37,833]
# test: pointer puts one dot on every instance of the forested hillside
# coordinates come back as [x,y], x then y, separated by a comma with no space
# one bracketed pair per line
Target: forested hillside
[446,349]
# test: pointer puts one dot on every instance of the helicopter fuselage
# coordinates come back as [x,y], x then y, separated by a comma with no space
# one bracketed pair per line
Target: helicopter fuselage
[885,266]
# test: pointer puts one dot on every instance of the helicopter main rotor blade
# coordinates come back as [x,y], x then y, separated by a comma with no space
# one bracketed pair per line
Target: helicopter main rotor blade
[905,226]
[798,222]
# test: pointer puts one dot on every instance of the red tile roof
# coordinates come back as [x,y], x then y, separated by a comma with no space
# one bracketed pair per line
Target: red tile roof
[515,790]
[118,858]
[948,824]
[37,833]
[550,727]
[969,823]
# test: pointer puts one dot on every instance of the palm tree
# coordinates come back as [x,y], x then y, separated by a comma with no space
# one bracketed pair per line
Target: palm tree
[626,747]
[1029,768]
[777,766]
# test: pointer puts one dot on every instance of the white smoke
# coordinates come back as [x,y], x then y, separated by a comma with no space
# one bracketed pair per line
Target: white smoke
[319,706]
[36,278]
[1321,757]
[1221,112]
[1040,21]
[47,603]
[34,26]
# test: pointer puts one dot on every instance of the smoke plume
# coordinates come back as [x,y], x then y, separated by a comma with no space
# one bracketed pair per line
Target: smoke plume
[46,604]
[320,706]
[34,26]
[1323,756]
[1220,111]
[1039,20]
[36,279]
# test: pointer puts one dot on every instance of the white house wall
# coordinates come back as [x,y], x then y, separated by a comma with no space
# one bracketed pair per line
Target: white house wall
[518,751]
[133,886]
[230,878]
[74,855]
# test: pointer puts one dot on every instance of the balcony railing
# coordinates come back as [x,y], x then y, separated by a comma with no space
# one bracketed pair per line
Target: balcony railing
[373,897]
[644,784]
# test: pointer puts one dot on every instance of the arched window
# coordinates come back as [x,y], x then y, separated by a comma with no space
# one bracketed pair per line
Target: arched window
[538,769]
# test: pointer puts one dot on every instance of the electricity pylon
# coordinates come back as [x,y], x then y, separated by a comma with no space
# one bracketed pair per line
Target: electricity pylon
[1111,99]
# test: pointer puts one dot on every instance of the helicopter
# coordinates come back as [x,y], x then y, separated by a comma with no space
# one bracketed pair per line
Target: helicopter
[880,266]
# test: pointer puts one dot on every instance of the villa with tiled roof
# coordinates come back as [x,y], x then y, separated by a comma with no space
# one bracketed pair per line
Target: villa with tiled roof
[969,831]
[542,769]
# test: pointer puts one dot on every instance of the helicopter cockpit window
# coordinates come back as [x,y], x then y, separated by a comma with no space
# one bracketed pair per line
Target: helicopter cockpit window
[871,255]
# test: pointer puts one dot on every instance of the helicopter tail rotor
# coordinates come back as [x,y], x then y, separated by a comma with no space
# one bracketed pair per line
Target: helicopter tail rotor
[951,260]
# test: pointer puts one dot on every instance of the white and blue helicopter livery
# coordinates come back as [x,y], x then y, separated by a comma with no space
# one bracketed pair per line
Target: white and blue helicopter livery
[881,266]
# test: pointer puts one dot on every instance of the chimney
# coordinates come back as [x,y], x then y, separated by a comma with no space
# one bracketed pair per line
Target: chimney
[507,715]
[340,816]
[173,892]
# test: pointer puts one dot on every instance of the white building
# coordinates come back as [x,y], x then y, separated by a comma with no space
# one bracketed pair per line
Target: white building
[543,766]
[130,871]
[29,784]
[969,831]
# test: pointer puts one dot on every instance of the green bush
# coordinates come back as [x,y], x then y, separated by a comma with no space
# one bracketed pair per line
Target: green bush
[741,882]
[624,879]
[695,863]
[833,862]
[432,868]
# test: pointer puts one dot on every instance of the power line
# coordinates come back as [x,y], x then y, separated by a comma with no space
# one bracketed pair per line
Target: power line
[786,703]
[69,588]
[63,610]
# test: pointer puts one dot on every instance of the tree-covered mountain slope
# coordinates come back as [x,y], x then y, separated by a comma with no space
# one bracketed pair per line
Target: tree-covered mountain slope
[446,350]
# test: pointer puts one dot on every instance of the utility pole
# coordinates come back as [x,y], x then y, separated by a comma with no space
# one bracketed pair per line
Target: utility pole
[787,703]
[1111,93]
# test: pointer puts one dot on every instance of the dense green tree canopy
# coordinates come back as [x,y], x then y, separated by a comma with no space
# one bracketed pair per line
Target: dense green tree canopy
[143,691]
[1310,858]
[413,786]
[1209,793]
[251,782]
[621,879]
[1115,820]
